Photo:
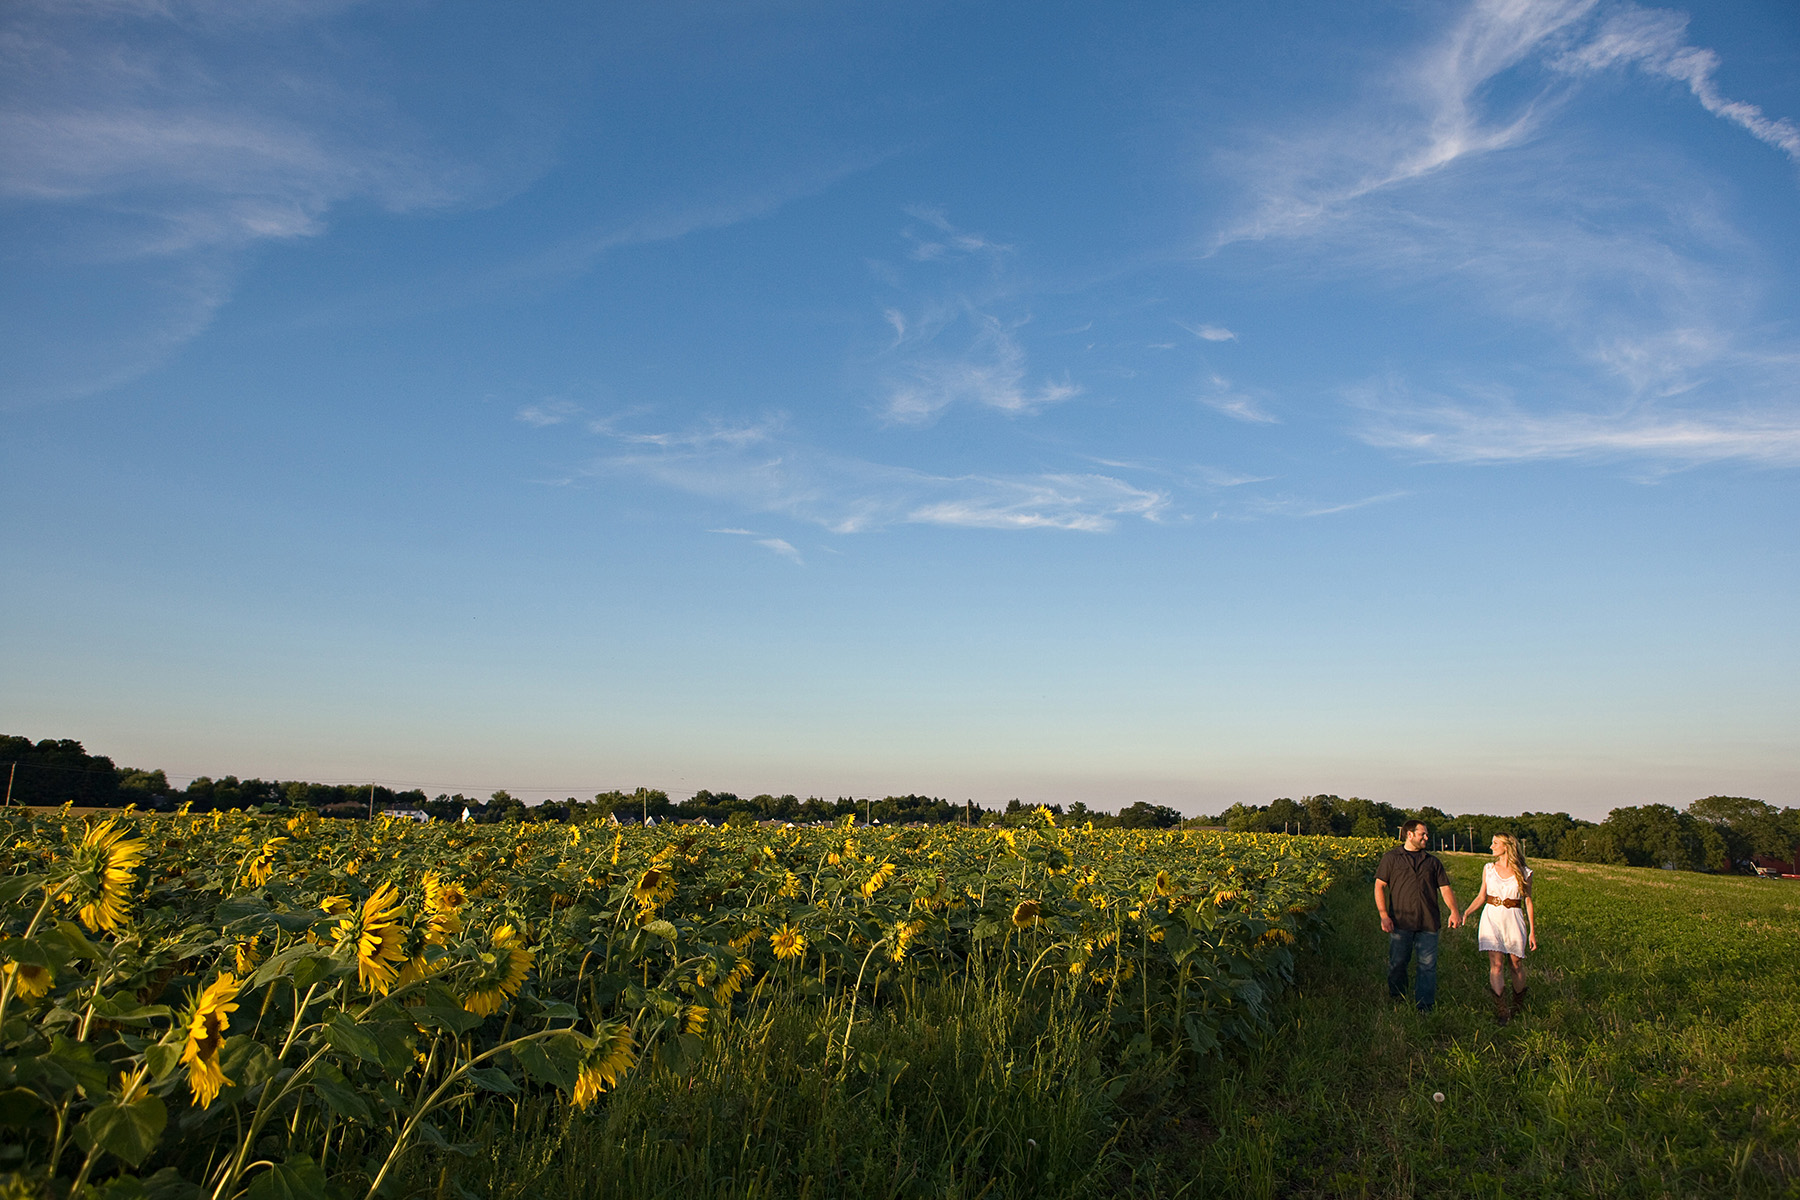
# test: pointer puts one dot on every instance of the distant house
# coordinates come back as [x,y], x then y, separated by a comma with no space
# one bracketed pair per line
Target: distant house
[406,814]
[1768,864]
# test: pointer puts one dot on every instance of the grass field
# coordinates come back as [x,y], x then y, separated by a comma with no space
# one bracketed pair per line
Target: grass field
[842,1013]
[1657,1057]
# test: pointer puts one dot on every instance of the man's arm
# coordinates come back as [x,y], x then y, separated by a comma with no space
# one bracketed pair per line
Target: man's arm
[1449,896]
[1381,906]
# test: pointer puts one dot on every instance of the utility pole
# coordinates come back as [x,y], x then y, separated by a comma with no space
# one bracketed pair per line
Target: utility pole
[9,782]
[371,802]
[869,810]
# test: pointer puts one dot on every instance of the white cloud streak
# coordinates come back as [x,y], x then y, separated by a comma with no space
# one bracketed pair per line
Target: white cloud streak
[1219,395]
[1655,40]
[1631,305]
[990,372]
[148,146]
[1443,429]
[756,468]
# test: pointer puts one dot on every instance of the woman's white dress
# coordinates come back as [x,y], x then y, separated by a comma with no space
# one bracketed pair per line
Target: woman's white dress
[1502,928]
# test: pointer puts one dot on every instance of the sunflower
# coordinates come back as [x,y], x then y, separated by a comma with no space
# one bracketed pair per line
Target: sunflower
[901,936]
[245,955]
[443,904]
[787,943]
[877,881]
[206,1035]
[653,887]
[611,1055]
[504,965]
[693,1018]
[733,982]
[27,981]
[379,937]
[101,873]
[259,869]
[1027,913]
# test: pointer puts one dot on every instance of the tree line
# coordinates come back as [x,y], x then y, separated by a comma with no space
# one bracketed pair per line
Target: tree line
[1711,834]
[1714,833]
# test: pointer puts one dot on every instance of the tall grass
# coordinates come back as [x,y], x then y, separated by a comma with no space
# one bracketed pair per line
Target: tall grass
[964,1092]
[1657,1057]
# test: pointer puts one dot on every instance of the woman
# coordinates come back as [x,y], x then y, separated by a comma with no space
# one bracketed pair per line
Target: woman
[1508,923]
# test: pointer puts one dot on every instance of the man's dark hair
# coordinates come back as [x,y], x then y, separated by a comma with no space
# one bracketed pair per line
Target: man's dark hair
[1409,827]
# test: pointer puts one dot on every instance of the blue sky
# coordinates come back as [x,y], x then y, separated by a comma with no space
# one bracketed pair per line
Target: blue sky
[1182,403]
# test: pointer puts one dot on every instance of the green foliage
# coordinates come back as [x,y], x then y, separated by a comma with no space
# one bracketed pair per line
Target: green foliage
[1653,1057]
[299,1007]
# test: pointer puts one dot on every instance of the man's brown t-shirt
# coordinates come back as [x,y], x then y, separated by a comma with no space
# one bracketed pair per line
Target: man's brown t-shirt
[1413,878]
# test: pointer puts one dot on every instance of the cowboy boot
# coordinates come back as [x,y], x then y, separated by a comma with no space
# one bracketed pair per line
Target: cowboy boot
[1518,1000]
[1502,1007]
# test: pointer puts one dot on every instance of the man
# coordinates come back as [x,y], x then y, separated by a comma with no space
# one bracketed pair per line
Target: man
[1408,883]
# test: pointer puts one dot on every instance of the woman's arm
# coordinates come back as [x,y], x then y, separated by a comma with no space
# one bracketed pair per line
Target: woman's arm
[1531,918]
[1481,898]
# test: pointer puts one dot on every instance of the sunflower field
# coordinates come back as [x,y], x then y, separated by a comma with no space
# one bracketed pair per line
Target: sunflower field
[260,1006]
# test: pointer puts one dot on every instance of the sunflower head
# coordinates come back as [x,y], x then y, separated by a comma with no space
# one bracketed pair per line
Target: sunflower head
[877,881]
[378,934]
[611,1054]
[27,981]
[101,869]
[901,936]
[655,886]
[502,967]
[1027,913]
[787,942]
[210,1018]
[443,909]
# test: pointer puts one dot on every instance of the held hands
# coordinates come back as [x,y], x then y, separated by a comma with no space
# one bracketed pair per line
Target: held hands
[1387,923]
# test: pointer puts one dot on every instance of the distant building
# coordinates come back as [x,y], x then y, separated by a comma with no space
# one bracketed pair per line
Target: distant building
[406,814]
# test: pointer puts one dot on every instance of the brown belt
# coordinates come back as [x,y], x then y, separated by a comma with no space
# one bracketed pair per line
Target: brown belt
[1508,903]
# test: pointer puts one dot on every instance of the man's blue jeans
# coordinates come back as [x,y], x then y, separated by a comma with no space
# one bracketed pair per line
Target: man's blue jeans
[1401,944]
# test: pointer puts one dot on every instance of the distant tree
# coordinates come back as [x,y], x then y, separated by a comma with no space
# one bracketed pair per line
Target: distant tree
[1749,827]
[144,788]
[1655,835]
[57,771]
[1144,815]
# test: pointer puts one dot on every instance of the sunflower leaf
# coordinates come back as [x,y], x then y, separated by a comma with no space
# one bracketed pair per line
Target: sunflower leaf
[336,1092]
[342,1031]
[299,1178]
[17,886]
[130,1131]
[493,1079]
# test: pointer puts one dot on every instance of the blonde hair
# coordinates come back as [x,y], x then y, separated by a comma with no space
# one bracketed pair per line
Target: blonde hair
[1513,853]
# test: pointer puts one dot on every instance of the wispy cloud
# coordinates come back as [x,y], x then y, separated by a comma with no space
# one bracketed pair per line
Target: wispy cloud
[1209,333]
[1655,40]
[549,412]
[949,345]
[943,240]
[1300,508]
[1442,107]
[1219,394]
[1494,429]
[150,149]
[988,370]
[778,546]
[1629,305]
[758,468]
